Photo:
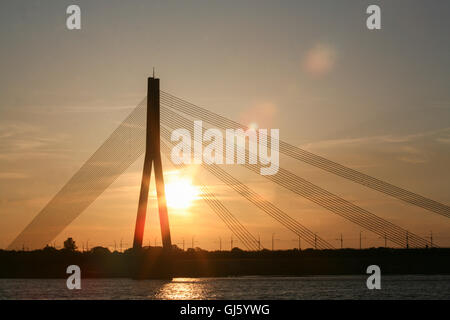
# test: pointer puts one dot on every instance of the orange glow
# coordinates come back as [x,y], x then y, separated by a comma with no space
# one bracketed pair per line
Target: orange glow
[181,193]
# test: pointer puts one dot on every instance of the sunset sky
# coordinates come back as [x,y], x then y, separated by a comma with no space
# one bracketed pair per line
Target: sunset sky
[376,101]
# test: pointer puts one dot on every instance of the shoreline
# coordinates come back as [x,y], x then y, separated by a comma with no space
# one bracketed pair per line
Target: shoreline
[151,262]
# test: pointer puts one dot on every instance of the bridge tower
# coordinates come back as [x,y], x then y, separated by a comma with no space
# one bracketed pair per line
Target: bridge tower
[152,156]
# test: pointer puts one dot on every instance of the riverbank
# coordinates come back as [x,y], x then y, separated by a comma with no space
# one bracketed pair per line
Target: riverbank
[101,263]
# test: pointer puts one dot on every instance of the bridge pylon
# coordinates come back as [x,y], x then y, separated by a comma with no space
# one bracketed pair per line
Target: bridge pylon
[152,157]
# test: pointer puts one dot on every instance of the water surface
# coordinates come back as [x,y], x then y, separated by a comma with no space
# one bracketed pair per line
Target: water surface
[315,287]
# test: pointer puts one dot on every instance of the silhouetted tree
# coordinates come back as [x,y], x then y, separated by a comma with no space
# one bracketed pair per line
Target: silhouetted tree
[175,248]
[100,250]
[49,249]
[70,245]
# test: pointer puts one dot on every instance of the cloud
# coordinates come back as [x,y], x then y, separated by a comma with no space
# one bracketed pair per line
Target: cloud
[16,129]
[440,135]
[415,148]
[444,136]
[260,115]
[22,140]
[12,176]
[97,109]
[413,160]
[412,155]
[443,140]
[319,60]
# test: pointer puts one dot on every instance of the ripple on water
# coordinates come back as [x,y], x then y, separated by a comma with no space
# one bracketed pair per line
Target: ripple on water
[234,288]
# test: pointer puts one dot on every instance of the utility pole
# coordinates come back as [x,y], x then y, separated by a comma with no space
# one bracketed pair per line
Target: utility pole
[183,244]
[219,242]
[231,243]
[315,241]
[431,239]
[121,244]
[273,240]
[341,240]
[299,243]
[360,240]
[407,240]
[259,242]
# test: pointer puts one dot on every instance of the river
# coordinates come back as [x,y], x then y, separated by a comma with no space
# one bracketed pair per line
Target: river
[314,287]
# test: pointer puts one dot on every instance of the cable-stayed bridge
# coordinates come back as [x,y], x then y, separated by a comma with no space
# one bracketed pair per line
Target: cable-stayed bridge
[147,129]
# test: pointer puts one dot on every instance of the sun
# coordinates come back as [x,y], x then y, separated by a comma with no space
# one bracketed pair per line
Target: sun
[181,193]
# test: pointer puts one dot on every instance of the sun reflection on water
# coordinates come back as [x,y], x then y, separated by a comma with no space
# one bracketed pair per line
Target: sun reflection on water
[184,289]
